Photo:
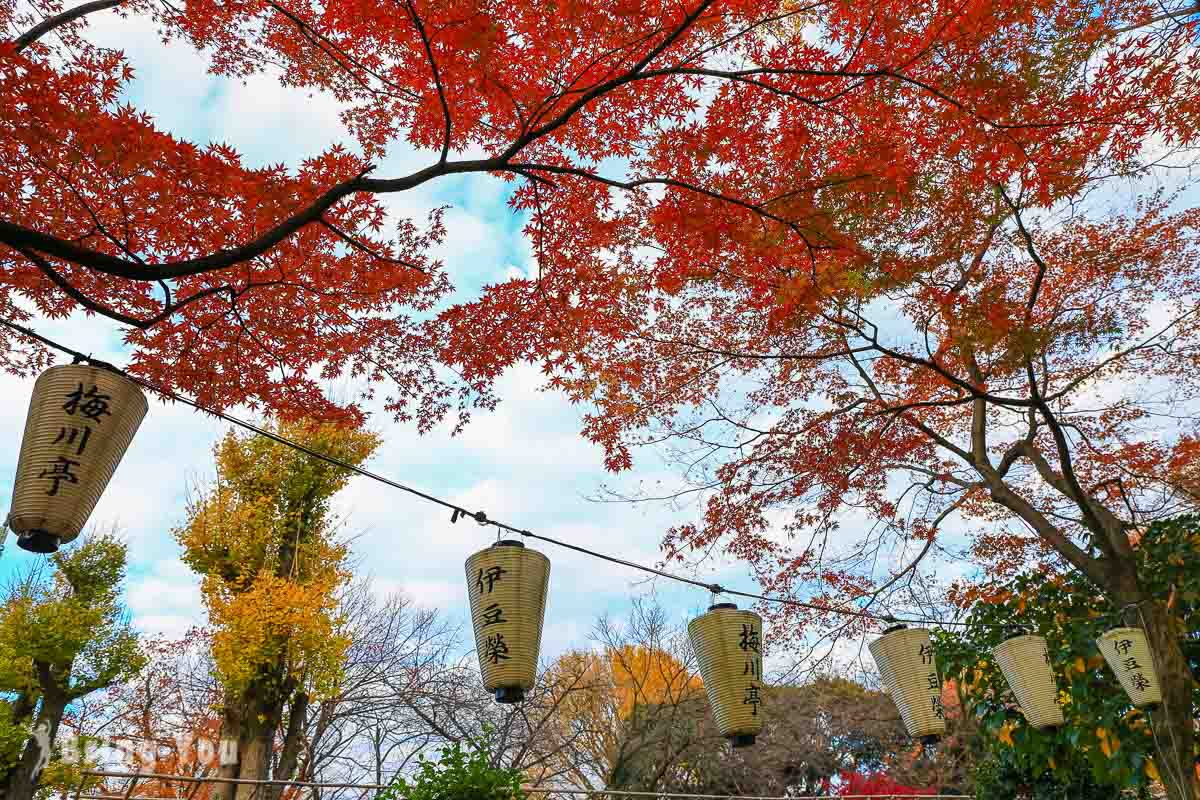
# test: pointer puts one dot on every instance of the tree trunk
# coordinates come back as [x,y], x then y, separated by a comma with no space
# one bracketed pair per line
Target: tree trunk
[231,728]
[21,782]
[1172,722]
[289,755]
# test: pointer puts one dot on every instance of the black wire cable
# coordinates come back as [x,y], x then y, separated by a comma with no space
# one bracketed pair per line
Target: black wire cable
[479,516]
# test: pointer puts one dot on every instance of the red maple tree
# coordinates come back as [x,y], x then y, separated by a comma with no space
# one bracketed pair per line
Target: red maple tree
[838,248]
[855,784]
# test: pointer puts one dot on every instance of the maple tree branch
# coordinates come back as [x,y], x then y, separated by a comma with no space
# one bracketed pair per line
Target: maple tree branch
[437,77]
[1183,12]
[65,18]
[1027,238]
[75,294]
[1003,494]
[1147,343]
[1109,537]
[929,364]
[1110,530]
[79,297]
[675,183]
[875,593]
[322,42]
[633,74]
[19,236]
[362,248]
[909,418]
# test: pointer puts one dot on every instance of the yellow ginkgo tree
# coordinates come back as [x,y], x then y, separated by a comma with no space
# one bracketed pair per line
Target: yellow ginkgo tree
[265,541]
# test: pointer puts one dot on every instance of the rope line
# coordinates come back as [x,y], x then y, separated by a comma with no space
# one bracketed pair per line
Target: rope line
[479,516]
[193,779]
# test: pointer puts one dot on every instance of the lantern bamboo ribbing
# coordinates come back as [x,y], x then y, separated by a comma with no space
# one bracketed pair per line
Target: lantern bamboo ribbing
[81,420]
[1025,662]
[507,584]
[728,645]
[1128,654]
[904,657]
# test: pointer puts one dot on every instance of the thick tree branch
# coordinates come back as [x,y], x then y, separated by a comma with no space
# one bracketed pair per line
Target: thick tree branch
[65,18]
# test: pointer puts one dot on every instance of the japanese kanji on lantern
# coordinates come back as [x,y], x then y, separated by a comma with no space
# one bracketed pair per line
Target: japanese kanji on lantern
[507,584]
[1128,654]
[904,657]
[81,420]
[1025,662]
[728,645]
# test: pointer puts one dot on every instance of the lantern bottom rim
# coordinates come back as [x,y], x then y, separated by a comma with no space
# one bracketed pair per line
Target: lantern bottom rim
[932,738]
[741,739]
[509,694]
[38,541]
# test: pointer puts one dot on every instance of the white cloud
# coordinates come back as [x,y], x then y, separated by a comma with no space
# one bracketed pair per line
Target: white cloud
[165,599]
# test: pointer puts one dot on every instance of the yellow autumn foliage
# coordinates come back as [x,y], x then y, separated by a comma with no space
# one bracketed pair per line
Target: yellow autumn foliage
[642,675]
[264,540]
[603,698]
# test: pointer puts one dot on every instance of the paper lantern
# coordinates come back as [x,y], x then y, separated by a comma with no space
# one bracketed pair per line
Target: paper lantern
[81,420]
[1128,654]
[1025,662]
[728,645]
[507,584]
[904,657]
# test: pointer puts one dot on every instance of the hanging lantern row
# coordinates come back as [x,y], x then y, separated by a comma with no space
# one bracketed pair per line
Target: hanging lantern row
[904,657]
[81,421]
[728,645]
[508,583]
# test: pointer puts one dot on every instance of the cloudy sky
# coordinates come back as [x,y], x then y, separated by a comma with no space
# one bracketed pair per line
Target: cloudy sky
[525,463]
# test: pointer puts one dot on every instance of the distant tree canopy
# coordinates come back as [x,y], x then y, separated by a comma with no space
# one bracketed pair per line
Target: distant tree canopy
[264,540]
[814,735]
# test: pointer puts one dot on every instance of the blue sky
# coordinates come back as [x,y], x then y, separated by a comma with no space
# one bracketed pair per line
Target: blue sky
[524,463]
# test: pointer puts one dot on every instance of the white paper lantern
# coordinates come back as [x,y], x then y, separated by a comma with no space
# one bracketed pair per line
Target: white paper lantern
[507,584]
[1025,662]
[728,645]
[907,668]
[81,420]
[1128,654]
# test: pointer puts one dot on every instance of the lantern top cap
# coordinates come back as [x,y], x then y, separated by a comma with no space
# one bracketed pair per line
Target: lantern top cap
[899,626]
[1013,631]
[509,543]
[718,606]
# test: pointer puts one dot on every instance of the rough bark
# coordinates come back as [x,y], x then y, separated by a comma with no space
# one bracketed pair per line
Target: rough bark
[1173,721]
[21,781]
